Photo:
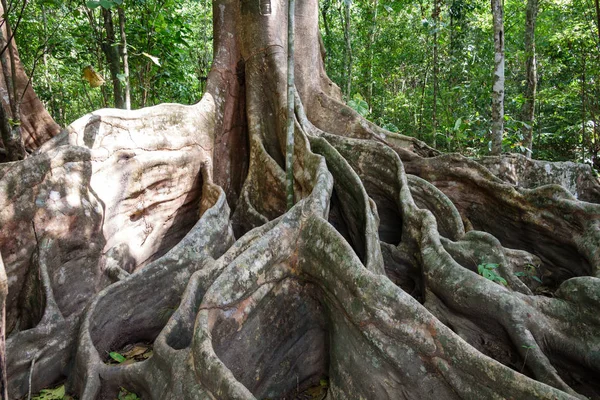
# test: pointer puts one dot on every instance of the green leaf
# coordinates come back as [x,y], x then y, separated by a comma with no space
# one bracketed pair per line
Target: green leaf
[481,269]
[535,278]
[107,4]
[457,124]
[390,127]
[487,271]
[124,394]
[121,77]
[116,356]
[359,105]
[57,393]
[92,4]
[154,59]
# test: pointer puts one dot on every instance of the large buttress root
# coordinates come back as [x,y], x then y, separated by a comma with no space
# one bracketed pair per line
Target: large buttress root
[368,287]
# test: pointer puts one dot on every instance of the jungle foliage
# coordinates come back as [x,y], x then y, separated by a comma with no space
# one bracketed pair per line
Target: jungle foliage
[386,47]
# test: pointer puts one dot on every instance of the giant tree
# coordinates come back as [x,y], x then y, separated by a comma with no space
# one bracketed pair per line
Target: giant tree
[398,273]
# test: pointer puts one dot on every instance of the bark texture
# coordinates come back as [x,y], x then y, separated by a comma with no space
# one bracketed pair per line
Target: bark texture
[498,80]
[3,295]
[168,225]
[111,51]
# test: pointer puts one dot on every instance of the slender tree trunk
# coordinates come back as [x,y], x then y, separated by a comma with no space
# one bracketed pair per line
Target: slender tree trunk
[47,78]
[112,57]
[596,159]
[583,122]
[124,57]
[498,86]
[3,294]
[348,42]
[436,69]
[422,104]
[372,35]
[597,6]
[325,16]
[142,78]
[99,49]
[289,151]
[531,85]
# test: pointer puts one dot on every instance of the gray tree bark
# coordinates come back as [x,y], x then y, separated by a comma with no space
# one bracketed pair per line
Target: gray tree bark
[3,296]
[124,56]
[348,61]
[498,81]
[372,35]
[531,83]
[436,69]
[112,57]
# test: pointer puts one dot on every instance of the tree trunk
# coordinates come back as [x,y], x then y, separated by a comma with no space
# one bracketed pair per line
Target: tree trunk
[168,226]
[98,40]
[10,121]
[597,7]
[583,111]
[291,120]
[372,35]
[47,79]
[325,16]
[124,57]
[112,57]
[498,83]
[348,53]
[36,125]
[531,83]
[3,295]
[436,69]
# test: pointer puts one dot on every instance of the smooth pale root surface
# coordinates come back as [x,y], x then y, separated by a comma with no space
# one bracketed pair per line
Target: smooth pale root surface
[164,236]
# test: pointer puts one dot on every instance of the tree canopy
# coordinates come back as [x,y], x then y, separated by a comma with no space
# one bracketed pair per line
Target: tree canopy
[391,44]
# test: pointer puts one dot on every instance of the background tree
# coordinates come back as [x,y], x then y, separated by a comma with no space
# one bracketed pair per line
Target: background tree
[24,122]
[531,83]
[348,40]
[111,51]
[498,81]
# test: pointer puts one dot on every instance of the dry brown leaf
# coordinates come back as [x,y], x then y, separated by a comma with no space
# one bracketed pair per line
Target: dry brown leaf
[93,78]
[136,351]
